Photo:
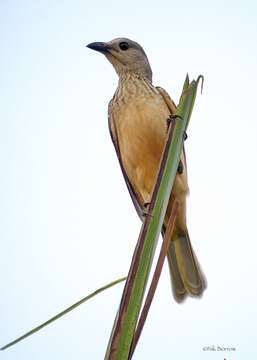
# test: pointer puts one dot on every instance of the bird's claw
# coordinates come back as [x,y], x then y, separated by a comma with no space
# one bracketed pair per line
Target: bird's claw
[145,214]
[172,117]
[175,116]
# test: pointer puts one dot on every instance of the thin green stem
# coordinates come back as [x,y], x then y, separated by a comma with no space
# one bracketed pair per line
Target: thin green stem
[62,313]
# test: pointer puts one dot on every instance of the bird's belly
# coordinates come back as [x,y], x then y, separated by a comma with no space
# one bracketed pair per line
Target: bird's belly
[142,130]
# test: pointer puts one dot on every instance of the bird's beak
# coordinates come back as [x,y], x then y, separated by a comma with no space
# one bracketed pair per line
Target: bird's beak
[99,46]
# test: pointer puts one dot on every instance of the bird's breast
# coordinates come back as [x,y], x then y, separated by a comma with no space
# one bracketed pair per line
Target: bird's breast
[141,125]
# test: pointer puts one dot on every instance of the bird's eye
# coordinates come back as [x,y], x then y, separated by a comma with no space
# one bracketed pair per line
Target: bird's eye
[124,45]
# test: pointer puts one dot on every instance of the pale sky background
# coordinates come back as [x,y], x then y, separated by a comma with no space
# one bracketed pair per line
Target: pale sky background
[68,225]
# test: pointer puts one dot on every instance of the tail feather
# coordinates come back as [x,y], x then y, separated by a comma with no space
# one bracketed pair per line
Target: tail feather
[177,284]
[186,275]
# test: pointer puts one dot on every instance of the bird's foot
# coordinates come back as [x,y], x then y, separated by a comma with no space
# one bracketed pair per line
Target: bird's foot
[146,213]
[175,116]
[172,117]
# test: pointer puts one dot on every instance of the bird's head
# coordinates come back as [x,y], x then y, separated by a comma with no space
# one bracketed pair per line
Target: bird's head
[126,56]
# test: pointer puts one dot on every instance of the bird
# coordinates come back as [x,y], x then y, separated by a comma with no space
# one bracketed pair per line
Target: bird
[138,116]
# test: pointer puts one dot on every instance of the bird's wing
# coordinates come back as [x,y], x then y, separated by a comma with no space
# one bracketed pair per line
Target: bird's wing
[169,102]
[138,206]
[172,107]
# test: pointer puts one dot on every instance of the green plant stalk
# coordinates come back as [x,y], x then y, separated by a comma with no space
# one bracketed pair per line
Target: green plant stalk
[156,276]
[155,224]
[62,313]
[195,85]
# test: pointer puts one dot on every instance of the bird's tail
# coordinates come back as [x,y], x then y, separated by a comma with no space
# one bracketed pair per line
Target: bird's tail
[186,275]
